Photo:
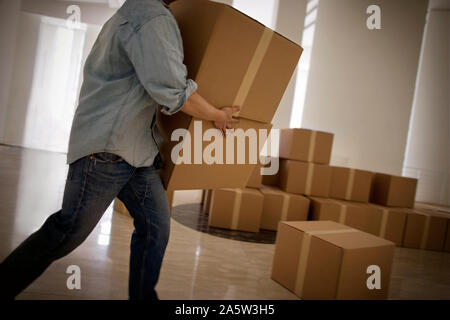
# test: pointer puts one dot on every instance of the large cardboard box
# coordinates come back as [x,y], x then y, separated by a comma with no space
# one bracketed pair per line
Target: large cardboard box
[282,206]
[350,184]
[236,209]
[393,191]
[235,61]
[327,260]
[306,145]
[255,180]
[201,176]
[425,230]
[305,178]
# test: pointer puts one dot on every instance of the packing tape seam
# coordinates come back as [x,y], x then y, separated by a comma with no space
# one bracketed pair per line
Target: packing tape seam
[343,213]
[304,254]
[285,207]
[312,146]
[384,220]
[309,178]
[236,209]
[351,179]
[253,68]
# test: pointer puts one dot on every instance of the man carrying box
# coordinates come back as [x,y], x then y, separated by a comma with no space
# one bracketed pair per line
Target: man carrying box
[135,66]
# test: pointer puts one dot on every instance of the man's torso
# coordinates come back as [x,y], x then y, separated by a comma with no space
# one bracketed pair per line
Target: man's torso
[115,113]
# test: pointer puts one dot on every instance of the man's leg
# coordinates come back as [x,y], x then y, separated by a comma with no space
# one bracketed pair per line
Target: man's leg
[146,200]
[92,184]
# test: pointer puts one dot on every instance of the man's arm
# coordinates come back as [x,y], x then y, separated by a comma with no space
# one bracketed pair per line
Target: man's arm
[198,107]
[157,57]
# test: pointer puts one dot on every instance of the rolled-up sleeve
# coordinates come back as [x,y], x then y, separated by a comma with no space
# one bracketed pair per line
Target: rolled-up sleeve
[156,52]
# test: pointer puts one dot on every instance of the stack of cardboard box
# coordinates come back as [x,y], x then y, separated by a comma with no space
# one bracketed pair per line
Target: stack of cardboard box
[423,228]
[237,209]
[235,61]
[304,154]
[382,205]
[269,206]
[304,162]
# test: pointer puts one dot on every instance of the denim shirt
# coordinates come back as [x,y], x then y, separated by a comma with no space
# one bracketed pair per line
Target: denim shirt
[135,65]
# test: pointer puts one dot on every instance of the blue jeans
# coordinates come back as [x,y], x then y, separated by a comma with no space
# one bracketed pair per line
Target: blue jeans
[93,182]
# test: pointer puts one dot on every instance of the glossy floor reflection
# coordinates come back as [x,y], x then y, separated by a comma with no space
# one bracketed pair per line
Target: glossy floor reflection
[196,266]
[191,215]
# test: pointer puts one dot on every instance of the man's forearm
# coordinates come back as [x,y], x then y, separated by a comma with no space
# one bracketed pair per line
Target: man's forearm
[197,106]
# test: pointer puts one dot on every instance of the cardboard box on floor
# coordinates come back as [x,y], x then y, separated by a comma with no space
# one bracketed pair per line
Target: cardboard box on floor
[235,61]
[327,260]
[350,184]
[387,223]
[393,191]
[282,206]
[305,178]
[426,230]
[236,209]
[306,145]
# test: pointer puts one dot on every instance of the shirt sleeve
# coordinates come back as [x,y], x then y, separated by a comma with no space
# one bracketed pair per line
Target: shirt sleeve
[156,52]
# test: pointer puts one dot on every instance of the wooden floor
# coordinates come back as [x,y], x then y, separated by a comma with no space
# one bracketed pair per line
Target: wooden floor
[196,266]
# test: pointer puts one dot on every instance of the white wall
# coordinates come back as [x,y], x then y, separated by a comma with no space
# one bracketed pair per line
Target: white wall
[91,13]
[290,21]
[25,115]
[361,81]
[287,18]
[9,17]
[45,82]
[427,156]
[21,79]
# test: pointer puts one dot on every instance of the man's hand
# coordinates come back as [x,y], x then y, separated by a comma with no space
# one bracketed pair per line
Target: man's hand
[197,106]
[227,119]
